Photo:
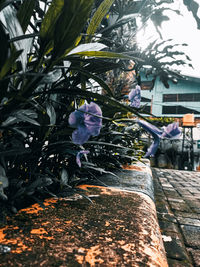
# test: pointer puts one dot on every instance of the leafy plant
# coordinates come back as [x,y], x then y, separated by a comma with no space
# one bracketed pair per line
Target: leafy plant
[48,66]
[54,55]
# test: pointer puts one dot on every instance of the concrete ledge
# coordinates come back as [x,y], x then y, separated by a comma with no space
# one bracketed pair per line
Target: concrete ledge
[118,228]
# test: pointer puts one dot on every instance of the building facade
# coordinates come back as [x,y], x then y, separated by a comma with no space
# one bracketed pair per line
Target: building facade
[175,101]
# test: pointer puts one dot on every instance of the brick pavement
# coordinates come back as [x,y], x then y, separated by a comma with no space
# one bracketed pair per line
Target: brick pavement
[177,196]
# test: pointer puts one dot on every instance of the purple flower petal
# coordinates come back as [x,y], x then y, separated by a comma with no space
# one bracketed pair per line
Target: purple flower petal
[93,108]
[80,135]
[171,131]
[85,122]
[76,118]
[155,132]
[153,148]
[150,128]
[135,97]
[78,156]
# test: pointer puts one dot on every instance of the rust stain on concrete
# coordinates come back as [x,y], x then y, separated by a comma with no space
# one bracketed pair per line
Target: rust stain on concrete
[137,167]
[118,228]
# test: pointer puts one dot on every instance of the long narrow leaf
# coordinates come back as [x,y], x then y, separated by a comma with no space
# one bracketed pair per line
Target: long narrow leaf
[95,78]
[25,12]
[9,63]
[48,24]
[74,15]
[4,46]
[105,54]
[111,102]
[86,48]
[9,18]
[98,17]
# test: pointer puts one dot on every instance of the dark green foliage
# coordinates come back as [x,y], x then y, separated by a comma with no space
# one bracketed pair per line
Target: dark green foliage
[43,79]
[48,67]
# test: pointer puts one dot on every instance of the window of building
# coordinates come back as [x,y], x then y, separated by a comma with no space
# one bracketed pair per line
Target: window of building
[146,109]
[178,110]
[194,97]
[144,99]
[146,85]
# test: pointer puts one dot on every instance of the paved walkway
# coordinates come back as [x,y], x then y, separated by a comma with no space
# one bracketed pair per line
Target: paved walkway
[177,195]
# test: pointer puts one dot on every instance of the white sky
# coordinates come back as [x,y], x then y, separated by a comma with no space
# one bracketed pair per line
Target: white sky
[182,29]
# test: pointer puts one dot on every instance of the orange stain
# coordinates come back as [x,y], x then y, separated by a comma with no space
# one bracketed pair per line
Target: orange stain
[39,231]
[132,167]
[33,209]
[107,223]
[103,190]
[93,256]
[2,235]
[59,230]
[68,222]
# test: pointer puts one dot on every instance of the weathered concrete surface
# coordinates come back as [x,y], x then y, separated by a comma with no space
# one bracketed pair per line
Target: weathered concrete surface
[136,178]
[177,195]
[119,228]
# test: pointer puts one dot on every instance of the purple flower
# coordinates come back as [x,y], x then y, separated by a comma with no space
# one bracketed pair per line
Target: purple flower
[153,147]
[85,123]
[78,156]
[171,132]
[152,129]
[155,132]
[135,97]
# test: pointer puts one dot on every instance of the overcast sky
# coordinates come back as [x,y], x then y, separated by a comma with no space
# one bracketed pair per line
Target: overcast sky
[182,29]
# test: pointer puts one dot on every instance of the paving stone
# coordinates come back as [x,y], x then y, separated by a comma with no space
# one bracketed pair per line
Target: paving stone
[166,217]
[191,235]
[184,191]
[167,185]
[193,203]
[163,180]
[174,246]
[185,194]
[168,226]
[186,215]
[170,192]
[193,190]
[176,263]
[180,206]
[179,200]
[197,210]
[161,206]
[180,222]
[195,254]
[188,221]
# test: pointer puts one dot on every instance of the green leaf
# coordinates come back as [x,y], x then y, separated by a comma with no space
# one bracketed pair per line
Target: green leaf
[5,3]
[52,114]
[3,178]
[97,18]
[9,63]
[15,151]
[14,29]
[64,178]
[86,48]
[48,24]
[105,54]
[25,115]
[73,17]
[95,78]
[25,12]
[4,46]
[107,101]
